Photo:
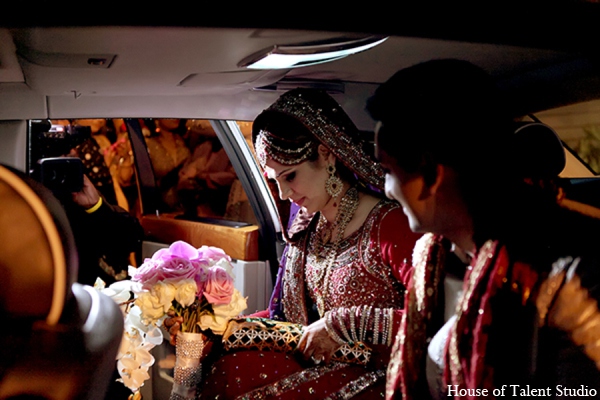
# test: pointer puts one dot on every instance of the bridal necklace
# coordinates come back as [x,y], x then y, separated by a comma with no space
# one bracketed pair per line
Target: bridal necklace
[348,206]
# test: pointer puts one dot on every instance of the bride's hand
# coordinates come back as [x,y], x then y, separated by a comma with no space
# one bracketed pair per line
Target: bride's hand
[316,344]
[173,325]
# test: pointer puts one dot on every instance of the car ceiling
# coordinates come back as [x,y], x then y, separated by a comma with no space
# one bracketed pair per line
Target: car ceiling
[190,71]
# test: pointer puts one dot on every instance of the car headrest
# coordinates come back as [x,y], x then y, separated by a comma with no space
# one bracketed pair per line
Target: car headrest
[539,150]
[60,338]
[38,259]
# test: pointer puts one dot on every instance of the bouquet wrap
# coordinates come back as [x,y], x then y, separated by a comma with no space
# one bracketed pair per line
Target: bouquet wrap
[188,369]
[266,334]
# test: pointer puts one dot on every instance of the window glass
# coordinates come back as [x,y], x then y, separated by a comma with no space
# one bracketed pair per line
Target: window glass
[194,175]
[103,147]
[578,126]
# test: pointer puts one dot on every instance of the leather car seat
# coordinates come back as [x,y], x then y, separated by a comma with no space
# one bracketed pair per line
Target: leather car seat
[59,339]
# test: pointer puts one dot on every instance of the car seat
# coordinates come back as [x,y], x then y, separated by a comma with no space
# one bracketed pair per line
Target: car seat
[59,339]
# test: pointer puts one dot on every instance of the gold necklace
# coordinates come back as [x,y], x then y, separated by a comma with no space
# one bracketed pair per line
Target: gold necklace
[348,206]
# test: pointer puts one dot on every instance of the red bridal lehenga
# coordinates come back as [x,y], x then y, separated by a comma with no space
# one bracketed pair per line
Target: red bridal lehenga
[362,302]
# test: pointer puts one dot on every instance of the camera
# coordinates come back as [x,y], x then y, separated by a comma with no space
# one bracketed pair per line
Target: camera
[47,162]
[61,174]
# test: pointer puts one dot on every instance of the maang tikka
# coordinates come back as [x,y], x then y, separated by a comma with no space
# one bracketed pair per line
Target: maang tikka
[334,184]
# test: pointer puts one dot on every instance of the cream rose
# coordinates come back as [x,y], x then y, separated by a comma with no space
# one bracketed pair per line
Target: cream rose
[151,309]
[186,292]
[163,295]
[215,323]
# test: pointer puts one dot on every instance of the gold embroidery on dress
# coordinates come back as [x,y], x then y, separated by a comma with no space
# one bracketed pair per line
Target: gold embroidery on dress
[408,357]
[359,265]
[291,382]
[575,312]
[356,386]
[422,248]
[483,259]
[293,288]
[548,290]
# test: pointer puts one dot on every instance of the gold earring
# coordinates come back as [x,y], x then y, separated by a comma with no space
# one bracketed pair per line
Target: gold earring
[333,185]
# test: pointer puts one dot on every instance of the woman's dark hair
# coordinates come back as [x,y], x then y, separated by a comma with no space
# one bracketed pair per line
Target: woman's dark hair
[450,112]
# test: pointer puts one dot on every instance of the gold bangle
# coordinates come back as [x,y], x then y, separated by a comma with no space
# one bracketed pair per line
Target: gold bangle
[95,207]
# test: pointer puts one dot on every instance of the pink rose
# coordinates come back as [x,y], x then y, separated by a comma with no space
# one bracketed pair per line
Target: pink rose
[179,262]
[201,278]
[212,254]
[218,288]
[148,274]
[178,249]
[178,269]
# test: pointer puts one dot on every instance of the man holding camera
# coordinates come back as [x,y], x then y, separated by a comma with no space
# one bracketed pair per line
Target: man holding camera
[105,235]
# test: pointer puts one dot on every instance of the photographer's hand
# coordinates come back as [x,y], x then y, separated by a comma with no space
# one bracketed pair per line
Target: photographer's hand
[88,197]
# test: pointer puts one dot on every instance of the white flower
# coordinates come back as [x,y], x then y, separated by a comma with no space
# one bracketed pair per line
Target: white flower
[154,336]
[132,338]
[131,270]
[234,308]
[133,319]
[120,291]
[133,374]
[213,322]
[152,309]
[164,294]
[134,357]
[99,284]
[186,292]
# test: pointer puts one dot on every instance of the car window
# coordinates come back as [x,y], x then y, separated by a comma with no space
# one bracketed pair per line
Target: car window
[578,126]
[194,177]
[103,147]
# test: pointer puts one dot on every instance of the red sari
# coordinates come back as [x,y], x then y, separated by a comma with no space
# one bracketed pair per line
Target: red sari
[365,297]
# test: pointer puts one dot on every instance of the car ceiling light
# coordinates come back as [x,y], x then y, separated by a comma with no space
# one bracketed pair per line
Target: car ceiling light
[295,56]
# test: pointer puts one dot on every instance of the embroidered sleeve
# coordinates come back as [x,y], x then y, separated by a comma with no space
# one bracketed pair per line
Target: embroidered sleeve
[365,324]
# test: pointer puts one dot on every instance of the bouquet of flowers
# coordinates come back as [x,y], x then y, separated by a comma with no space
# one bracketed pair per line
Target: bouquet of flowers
[196,284]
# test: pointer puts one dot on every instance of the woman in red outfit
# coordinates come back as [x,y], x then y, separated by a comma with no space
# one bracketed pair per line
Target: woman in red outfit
[345,268]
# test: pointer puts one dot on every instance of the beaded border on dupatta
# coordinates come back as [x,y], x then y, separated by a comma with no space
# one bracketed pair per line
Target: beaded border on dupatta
[291,382]
[483,263]
[293,284]
[333,136]
[407,356]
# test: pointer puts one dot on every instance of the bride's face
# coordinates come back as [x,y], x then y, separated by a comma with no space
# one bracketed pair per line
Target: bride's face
[303,184]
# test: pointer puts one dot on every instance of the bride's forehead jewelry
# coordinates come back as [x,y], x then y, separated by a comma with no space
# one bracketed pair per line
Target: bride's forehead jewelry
[332,135]
[268,146]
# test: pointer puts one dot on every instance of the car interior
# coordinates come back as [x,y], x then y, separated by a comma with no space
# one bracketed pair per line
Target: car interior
[174,101]
[51,316]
